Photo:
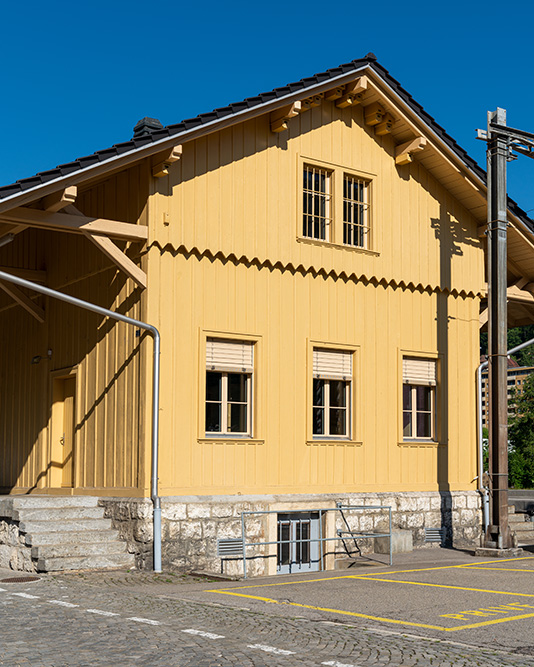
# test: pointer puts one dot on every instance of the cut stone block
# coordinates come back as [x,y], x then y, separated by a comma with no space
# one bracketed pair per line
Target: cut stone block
[401,542]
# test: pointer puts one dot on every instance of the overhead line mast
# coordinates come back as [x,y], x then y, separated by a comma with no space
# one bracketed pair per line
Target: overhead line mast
[501,141]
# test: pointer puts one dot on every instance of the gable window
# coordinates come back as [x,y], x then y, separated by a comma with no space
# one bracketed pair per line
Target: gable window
[418,398]
[355,211]
[229,371]
[317,203]
[331,395]
[336,206]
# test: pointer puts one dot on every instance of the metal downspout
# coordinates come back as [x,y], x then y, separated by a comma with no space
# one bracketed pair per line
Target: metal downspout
[484,490]
[155,388]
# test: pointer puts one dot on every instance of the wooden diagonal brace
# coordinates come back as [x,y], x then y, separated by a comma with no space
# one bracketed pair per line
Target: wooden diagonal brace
[279,118]
[404,152]
[120,259]
[115,254]
[18,295]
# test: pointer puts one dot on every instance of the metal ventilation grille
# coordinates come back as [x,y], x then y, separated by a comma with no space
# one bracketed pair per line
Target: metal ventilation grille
[232,546]
[434,534]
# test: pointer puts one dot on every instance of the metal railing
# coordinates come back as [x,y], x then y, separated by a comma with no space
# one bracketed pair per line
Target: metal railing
[340,535]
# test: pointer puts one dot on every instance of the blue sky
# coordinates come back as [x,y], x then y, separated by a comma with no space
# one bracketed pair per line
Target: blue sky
[76,77]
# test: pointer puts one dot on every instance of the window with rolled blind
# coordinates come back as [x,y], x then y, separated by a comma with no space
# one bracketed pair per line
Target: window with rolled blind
[419,371]
[332,364]
[229,367]
[418,398]
[332,381]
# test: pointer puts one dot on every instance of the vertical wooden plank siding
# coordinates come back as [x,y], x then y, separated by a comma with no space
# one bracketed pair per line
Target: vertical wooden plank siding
[234,264]
[105,356]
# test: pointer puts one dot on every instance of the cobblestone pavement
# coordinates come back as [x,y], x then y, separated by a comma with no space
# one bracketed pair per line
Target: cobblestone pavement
[109,619]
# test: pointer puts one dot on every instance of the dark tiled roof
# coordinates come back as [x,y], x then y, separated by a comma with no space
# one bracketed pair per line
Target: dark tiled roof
[190,123]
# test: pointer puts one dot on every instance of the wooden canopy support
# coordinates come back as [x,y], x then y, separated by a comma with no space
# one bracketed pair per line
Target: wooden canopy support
[28,274]
[18,295]
[483,317]
[58,200]
[122,260]
[404,152]
[353,93]
[115,254]
[64,222]
[279,118]
[162,167]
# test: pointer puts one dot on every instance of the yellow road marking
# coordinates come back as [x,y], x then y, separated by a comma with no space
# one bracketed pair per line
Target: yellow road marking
[377,618]
[333,611]
[369,575]
[458,588]
[500,569]
[483,623]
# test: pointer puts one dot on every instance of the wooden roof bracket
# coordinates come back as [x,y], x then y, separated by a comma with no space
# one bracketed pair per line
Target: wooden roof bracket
[278,119]
[404,152]
[353,93]
[115,254]
[162,168]
[58,200]
[18,295]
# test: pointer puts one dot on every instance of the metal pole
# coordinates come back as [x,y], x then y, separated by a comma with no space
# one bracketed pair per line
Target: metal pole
[498,534]
[155,385]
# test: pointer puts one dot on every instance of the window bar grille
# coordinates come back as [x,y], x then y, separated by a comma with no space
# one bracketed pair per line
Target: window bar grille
[355,212]
[317,199]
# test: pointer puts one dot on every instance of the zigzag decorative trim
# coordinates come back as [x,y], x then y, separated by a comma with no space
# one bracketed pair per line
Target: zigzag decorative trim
[308,270]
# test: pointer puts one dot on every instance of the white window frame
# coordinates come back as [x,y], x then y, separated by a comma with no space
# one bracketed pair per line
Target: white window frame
[230,365]
[426,377]
[341,370]
[348,221]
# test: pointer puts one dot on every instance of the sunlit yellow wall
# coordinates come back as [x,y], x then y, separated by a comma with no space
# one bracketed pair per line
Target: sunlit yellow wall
[227,259]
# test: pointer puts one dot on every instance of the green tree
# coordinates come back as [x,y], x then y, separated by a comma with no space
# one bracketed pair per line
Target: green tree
[521,438]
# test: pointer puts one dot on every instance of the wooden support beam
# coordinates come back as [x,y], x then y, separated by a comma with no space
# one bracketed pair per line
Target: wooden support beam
[334,94]
[162,167]
[28,274]
[121,260]
[115,254]
[353,93]
[279,118]
[18,295]
[483,317]
[521,282]
[17,229]
[58,200]
[404,152]
[385,126]
[64,222]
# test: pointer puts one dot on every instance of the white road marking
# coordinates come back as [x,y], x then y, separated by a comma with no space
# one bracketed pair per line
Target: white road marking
[2,590]
[144,620]
[100,612]
[335,663]
[62,603]
[271,649]
[202,633]
[26,595]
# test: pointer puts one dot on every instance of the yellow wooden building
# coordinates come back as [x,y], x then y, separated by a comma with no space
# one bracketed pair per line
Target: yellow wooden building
[314,261]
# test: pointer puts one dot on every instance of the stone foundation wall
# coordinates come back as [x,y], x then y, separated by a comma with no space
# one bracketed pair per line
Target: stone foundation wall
[191,525]
[14,553]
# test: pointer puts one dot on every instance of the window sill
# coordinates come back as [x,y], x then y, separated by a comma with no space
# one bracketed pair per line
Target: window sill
[234,439]
[426,443]
[341,246]
[334,441]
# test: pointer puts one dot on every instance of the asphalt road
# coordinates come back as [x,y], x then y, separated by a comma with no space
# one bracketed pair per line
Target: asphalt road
[433,607]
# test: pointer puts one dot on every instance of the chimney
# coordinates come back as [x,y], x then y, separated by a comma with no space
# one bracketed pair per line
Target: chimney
[146,126]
